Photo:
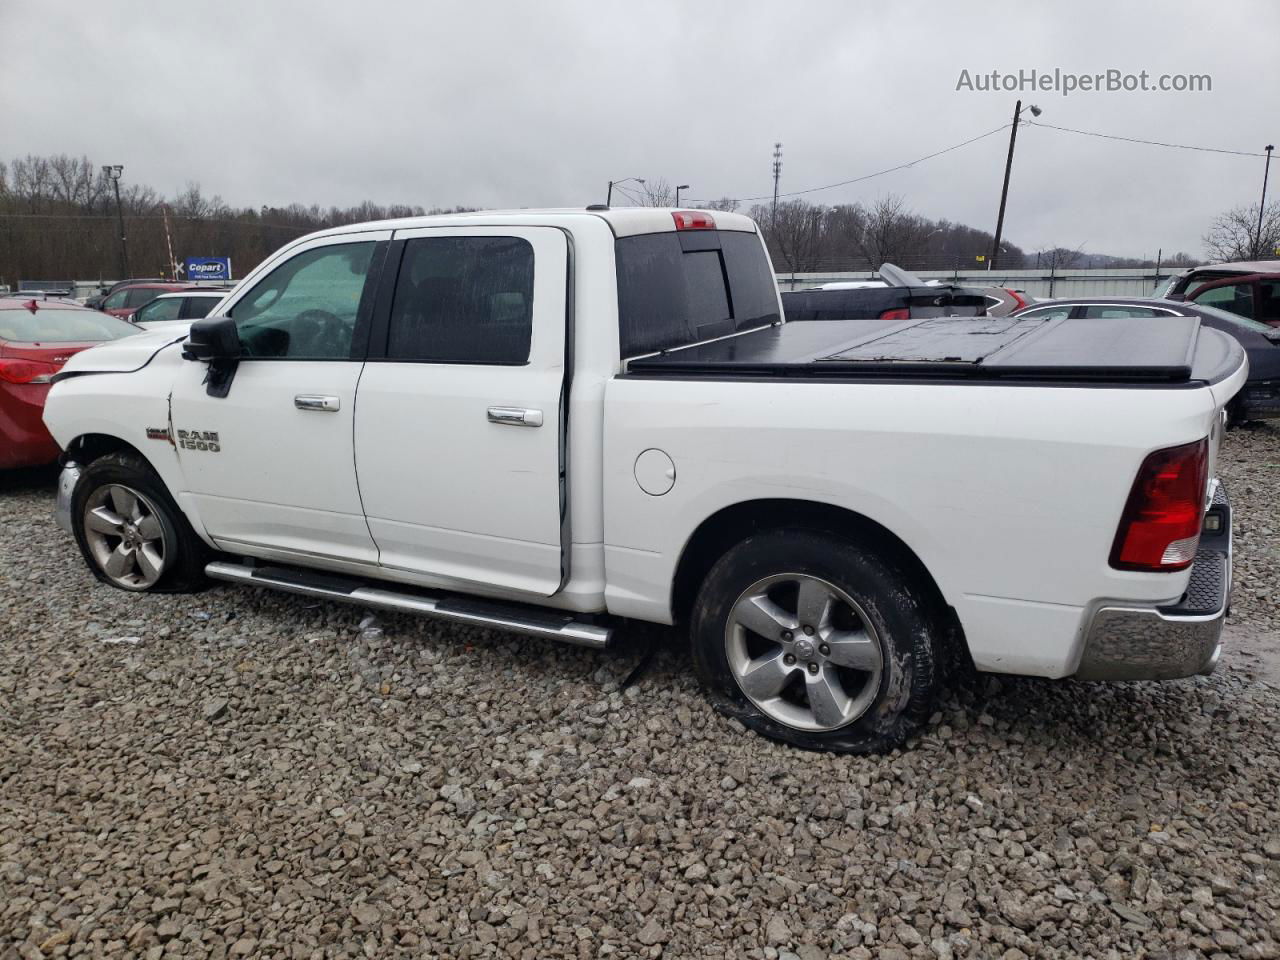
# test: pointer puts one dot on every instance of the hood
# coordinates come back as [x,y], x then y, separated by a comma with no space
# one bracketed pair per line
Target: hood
[124,355]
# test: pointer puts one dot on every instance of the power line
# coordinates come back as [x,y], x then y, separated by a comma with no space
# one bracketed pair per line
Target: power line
[868,176]
[1153,143]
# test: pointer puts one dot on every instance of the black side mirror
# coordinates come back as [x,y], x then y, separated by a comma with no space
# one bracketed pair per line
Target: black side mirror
[213,338]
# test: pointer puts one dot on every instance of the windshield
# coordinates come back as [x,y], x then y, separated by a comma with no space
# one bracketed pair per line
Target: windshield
[62,326]
[1256,326]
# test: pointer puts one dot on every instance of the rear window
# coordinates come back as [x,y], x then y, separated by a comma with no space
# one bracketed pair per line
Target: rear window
[679,288]
[141,296]
[62,326]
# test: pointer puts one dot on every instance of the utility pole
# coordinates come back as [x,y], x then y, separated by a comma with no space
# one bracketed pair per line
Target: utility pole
[1159,257]
[1004,191]
[1262,204]
[777,173]
[168,239]
[112,172]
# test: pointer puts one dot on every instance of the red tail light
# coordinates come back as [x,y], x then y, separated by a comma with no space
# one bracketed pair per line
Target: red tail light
[693,220]
[13,370]
[1160,528]
[899,314]
[1018,302]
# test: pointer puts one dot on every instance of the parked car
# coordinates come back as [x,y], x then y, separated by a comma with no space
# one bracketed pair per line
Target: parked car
[187,305]
[901,296]
[36,338]
[125,301]
[96,301]
[1248,289]
[554,422]
[1258,399]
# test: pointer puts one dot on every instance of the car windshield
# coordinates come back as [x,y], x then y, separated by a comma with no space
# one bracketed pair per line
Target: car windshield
[61,326]
[1256,326]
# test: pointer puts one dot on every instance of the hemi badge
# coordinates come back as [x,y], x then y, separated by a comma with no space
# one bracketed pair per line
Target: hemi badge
[157,433]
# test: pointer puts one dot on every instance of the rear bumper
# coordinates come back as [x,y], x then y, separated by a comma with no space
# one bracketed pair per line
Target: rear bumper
[24,439]
[1164,643]
[1259,399]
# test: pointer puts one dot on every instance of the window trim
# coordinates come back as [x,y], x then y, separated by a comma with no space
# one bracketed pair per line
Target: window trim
[364,311]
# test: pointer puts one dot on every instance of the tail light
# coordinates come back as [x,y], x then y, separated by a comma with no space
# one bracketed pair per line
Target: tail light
[899,314]
[1160,527]
[13,370]
[1018,302]
[693,220]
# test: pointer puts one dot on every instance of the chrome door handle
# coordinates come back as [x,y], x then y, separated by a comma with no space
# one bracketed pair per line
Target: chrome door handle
[516,416]
[310,401]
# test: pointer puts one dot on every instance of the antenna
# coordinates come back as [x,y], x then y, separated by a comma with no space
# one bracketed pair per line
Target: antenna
[777,173]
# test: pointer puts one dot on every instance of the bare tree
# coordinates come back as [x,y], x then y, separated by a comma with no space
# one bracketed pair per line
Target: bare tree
[797,230]
[656,193]
[1059,258]
[892,233]
[1233,235]
[727,204]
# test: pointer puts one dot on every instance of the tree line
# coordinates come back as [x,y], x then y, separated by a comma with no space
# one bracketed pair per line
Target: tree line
[58,221]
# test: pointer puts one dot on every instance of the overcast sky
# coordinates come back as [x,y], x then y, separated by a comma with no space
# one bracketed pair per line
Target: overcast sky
[506,104]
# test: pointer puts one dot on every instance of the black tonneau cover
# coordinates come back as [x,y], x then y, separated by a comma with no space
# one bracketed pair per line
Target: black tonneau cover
[1148,350]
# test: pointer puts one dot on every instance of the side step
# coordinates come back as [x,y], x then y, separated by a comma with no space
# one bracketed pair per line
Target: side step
[532,621]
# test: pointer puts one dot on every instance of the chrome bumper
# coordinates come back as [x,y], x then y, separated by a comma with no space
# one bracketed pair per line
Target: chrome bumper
[67,481]
[1164,643]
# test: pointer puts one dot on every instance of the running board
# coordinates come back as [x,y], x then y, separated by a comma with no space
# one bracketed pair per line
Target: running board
[532,621]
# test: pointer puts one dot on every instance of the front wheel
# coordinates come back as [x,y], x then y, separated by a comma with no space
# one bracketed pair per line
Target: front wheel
[130,531]
[813,640]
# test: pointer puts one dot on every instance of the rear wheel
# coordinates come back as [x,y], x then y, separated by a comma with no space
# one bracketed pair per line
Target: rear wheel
[130,530]
[812,640]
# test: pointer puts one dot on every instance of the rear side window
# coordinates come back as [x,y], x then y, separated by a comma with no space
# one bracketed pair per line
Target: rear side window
[198,307]
[679,288]
[141,296]
[463,300]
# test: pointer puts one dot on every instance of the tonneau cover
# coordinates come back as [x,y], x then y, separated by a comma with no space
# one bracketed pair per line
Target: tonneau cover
[1154,350]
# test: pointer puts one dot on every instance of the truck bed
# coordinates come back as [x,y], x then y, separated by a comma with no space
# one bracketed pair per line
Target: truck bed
[1157,351]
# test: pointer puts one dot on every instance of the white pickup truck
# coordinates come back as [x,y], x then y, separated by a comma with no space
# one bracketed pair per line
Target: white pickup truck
[557,421]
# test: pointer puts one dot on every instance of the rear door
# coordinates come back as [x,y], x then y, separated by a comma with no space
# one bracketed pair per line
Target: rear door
[458,427]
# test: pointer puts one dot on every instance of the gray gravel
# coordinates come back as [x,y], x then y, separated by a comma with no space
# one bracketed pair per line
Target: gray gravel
[248,774]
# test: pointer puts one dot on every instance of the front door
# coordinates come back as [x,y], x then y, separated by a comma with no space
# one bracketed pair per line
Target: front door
[458,416]
[270,467]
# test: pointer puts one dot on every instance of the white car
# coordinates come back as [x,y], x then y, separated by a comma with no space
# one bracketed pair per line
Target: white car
[558,421]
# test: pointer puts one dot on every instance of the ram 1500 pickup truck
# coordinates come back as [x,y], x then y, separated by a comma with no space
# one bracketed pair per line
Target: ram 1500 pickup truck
[555,422]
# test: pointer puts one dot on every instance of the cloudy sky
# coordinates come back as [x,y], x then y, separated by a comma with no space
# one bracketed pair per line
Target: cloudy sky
[540,103]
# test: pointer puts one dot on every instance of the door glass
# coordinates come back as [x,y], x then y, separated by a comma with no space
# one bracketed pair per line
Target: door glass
[1268,302]
[1234,297]
[116,300]
[463,300]
[306,308]
[166,309]
[198,307]
[1118,310]
[141,296]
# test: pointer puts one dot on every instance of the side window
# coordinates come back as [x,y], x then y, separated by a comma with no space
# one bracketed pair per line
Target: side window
[1117,311]
[198,307]
[1235,297]
[463,300]
[1057,312]
[1268,302]
[116,300]
[306,308]
[166,309]
[141,296]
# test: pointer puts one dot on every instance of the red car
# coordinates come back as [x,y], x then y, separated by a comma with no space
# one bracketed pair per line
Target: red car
[123,302]
[36,338]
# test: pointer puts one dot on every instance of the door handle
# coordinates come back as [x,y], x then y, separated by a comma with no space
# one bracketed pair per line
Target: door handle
[516,416]
[310,401]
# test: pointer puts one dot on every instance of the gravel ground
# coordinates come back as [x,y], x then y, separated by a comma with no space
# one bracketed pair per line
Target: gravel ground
[248,774]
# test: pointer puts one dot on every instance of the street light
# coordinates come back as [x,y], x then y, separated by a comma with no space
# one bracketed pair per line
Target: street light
[679,187]
[112,172]
[608,199]
[1262,204]
[1008,166]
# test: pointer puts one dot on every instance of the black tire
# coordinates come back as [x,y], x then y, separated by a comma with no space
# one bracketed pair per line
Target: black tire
[896,615]
[184,553]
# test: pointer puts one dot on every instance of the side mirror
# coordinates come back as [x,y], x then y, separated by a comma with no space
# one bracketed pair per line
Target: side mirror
[213,338]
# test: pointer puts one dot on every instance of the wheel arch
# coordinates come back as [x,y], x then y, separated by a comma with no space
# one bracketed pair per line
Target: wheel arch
[732,524]
[88,447]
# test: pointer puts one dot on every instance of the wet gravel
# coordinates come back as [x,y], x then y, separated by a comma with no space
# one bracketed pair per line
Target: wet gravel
[248,774]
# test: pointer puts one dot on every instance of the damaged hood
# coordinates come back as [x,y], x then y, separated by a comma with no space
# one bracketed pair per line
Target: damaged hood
[124,355]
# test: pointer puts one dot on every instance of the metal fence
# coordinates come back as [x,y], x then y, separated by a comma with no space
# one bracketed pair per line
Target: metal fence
[1127,282]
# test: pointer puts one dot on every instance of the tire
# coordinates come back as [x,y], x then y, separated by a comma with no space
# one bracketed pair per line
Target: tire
[865,678]
[136,522]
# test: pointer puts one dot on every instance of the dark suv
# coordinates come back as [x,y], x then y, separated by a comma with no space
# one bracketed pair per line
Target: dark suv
[900,296]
